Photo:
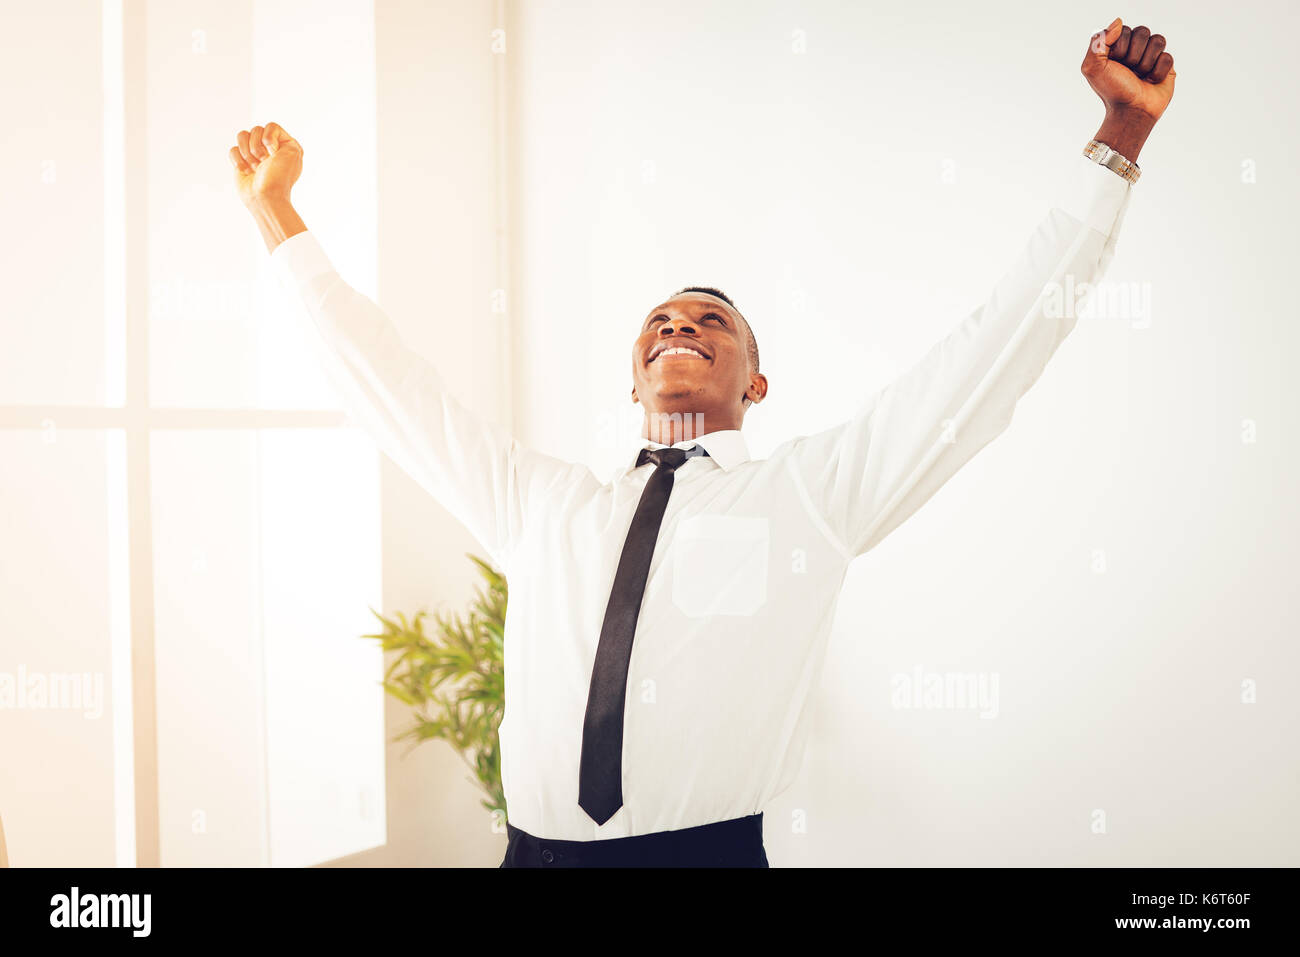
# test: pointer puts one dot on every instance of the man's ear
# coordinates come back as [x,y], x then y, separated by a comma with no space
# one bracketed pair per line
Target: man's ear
[757,388]
[635,400]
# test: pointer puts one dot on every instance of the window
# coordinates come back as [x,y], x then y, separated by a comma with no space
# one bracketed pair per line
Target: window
[189,534]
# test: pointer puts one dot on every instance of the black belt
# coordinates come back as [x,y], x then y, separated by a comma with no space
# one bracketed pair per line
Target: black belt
[734,843]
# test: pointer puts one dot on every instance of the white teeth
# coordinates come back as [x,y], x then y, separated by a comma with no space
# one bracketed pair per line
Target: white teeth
[681,351]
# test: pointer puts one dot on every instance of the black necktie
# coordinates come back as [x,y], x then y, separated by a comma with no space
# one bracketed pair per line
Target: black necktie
[600,778]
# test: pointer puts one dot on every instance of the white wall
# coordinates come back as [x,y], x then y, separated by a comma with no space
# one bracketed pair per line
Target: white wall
[671,143]
[437,141]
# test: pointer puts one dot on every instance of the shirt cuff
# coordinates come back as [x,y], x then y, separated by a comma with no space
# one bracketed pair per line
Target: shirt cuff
[1094,195]
[300,259]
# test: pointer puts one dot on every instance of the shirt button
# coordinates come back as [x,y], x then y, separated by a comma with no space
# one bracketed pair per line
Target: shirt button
[547,856]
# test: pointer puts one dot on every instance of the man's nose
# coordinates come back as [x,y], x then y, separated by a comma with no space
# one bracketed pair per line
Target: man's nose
[670,328]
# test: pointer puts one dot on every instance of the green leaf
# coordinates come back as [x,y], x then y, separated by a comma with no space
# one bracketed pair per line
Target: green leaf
[453,677]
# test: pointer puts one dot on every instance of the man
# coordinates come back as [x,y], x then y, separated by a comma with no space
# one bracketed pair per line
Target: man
[667,627]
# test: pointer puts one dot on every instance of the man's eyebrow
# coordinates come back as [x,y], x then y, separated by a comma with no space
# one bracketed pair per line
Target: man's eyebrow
[719,307]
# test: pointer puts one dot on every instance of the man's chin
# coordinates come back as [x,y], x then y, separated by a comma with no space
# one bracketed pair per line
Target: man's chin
[678,396]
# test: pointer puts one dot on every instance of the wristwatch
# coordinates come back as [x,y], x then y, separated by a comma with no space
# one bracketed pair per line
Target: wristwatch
[1099,152]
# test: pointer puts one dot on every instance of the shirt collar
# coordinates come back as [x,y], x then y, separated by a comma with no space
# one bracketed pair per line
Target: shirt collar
[726,447]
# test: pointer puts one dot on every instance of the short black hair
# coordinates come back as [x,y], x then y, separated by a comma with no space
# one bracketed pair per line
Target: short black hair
[752,343]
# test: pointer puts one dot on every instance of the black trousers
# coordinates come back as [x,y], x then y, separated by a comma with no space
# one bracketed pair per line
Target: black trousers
[734,843]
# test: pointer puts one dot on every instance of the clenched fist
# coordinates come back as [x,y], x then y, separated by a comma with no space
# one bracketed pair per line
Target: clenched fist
[267,161]
[1130,70]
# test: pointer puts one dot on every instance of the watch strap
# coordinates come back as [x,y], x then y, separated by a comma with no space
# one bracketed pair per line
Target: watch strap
[1101,153]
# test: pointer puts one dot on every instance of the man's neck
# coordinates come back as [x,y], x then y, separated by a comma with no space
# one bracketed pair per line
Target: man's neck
[669,428]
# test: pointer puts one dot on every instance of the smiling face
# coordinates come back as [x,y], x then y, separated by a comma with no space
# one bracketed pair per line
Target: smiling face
[692,357]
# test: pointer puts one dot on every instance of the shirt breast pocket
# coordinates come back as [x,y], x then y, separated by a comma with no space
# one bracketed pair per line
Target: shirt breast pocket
[720,565]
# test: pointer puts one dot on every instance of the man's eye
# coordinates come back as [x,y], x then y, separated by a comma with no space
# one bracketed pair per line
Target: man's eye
[707,315]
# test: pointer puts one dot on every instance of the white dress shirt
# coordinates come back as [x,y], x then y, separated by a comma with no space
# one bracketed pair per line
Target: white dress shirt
[751,554]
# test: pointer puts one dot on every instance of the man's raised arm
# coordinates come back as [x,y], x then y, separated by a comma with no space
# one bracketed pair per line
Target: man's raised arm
[470,465]
[867,475]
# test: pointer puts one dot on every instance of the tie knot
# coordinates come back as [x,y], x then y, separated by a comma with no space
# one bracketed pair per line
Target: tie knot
[671,459]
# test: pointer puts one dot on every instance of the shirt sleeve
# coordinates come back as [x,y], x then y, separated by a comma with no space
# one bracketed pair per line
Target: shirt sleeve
[867,475]
[472,466]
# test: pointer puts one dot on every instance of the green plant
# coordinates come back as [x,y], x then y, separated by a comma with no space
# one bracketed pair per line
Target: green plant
[454,679]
